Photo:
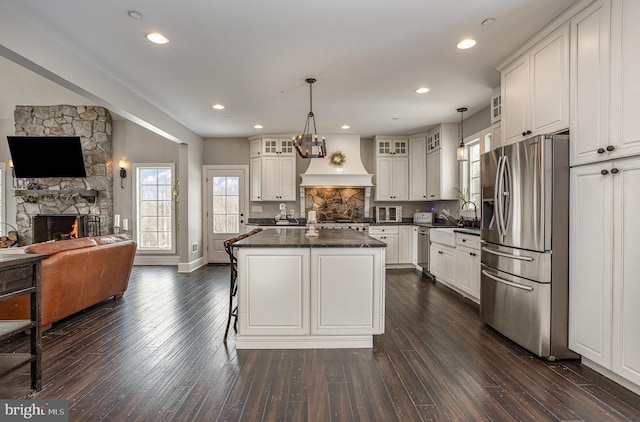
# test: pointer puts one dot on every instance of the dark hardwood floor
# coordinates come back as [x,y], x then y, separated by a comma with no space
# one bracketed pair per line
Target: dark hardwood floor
[158,355]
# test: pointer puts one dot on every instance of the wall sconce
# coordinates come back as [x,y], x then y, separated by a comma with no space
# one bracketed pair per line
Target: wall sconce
[123,172]
[13,174]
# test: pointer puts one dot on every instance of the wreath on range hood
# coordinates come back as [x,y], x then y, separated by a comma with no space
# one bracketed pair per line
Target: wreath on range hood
[337,159]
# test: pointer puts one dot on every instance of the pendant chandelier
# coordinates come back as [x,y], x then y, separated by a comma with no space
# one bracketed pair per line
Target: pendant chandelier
[307,143]
[462,151]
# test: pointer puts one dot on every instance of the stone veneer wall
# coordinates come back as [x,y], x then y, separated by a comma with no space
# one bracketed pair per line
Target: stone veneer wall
[93,125]
[336,202]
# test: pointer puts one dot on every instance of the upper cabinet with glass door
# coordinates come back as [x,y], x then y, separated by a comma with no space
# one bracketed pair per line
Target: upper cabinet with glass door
[277,146]
[391,147]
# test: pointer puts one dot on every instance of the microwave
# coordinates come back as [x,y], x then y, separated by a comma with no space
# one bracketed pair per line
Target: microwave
[390,214]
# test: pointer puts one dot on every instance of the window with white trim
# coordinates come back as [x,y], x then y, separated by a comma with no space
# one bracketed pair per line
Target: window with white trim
[155,226]
[471,169]
[4,229]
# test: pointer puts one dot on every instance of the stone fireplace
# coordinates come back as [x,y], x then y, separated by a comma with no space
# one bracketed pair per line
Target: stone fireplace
[73,197]
[64,226]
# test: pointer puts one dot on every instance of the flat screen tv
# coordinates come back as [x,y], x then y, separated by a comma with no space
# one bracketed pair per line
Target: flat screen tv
[46,156]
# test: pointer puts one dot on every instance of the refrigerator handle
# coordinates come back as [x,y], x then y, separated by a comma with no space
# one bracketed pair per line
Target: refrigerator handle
[506,211]
[496,198]
[500,196]
[508,255]
[508,283]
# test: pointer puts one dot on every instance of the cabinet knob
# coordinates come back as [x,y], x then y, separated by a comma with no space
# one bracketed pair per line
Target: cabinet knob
[440,252]
[604,172]
[528,132]
[614,171]
[610,148]
[600,150]
[464,240]
[472,253]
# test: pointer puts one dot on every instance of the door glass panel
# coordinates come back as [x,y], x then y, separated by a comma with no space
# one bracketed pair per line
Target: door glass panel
[226,199]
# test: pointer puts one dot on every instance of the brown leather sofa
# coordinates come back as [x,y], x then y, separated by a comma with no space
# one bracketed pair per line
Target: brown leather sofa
[78,273]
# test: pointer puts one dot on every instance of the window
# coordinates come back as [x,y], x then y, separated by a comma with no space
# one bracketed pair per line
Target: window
[470,179]
[154,207]
[226,204]
[4,229]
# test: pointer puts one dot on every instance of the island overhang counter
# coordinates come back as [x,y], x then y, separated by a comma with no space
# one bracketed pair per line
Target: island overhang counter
[303,292]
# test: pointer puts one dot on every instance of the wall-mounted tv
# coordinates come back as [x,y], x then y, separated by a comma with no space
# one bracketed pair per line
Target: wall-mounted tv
[46,156]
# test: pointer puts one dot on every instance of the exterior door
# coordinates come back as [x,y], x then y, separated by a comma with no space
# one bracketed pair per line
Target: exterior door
[226,193]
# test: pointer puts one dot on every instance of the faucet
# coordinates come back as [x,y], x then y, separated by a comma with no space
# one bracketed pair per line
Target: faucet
[475,211]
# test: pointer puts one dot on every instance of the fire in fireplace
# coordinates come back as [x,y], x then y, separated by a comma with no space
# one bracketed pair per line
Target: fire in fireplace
[48,227]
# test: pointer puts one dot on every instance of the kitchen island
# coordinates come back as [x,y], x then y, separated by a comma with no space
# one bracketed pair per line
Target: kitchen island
[309,292]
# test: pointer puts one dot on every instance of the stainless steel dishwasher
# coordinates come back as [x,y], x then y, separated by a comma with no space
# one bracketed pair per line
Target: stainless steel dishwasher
[423,249]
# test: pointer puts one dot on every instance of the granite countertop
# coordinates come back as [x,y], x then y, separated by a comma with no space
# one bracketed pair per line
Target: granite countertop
[281,237]
[475,232]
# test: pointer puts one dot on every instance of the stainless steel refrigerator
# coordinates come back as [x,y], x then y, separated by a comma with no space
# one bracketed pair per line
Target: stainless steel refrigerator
[524,232]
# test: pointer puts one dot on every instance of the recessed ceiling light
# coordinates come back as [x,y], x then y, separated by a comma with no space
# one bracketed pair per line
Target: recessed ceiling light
[134,14]
[466,43]
[488,21]
[156,38]
[257,126]
[218,107]
[422,90]
[345,127]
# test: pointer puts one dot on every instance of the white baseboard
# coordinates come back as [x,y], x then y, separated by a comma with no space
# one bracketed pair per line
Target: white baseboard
[611,375]
[187,267]
[304,342]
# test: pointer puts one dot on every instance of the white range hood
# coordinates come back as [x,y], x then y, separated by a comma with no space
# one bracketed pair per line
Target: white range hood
[351,174]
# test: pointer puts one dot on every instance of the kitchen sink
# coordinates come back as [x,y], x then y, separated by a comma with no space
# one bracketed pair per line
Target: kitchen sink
[443,236]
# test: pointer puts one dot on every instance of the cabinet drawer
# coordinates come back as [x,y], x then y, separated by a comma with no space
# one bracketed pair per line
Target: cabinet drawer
[468,240]
[15,279]
[378,230]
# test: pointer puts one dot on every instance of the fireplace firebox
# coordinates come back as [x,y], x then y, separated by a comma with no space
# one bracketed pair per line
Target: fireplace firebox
[48,227]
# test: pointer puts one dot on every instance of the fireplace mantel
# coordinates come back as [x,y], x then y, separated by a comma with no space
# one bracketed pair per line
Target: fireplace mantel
[88,195]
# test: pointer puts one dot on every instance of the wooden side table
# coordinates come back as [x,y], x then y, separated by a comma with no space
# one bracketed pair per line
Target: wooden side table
[20,275]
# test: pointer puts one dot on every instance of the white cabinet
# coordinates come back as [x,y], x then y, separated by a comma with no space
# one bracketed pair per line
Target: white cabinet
[496,107]
[535,89]
[278,278]
[392,169]
[391,147]
[405,244]
[590,80]
[604,293]
[468,265]
[442,166]
[604,82]
[347,291]
[255,175]
[442,263]
[392,178]
[418,169]
[388,235]
[310,297]
[279,178]
[272,170]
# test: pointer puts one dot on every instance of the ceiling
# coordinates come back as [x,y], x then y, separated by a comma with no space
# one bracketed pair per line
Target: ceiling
[253,56]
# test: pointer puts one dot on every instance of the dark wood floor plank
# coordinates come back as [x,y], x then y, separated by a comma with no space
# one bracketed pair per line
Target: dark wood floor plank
[158,355]
[339,402]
